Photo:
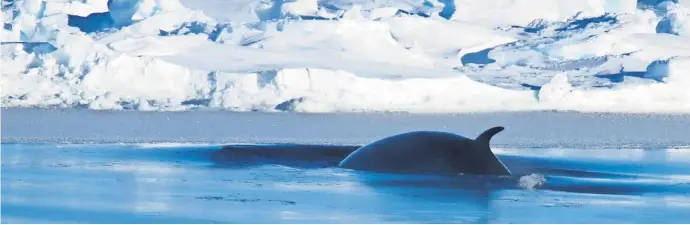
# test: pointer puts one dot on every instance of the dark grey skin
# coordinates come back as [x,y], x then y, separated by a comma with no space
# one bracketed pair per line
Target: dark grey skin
[429,152]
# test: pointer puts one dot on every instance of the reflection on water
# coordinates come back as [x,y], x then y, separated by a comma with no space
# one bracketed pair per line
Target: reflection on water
[677,201]
[151,189]
[202,184]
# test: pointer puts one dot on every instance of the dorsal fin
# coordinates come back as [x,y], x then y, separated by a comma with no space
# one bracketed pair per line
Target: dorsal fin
[492,164]
[486,136]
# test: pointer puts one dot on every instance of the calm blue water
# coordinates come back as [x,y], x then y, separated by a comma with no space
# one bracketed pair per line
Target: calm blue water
[49,183]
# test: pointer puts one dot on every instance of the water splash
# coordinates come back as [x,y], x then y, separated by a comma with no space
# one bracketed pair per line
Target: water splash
[532,181]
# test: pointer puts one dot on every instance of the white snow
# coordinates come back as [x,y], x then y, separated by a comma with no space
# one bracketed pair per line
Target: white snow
[299,7]
[124,12]
[522,12]
[80,8]
[348,55]
[673,70]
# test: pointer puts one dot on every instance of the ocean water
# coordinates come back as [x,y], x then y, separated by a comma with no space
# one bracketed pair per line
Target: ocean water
[82,166]
[170,183]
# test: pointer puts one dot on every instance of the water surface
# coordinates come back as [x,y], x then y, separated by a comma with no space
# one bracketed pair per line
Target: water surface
[154,183]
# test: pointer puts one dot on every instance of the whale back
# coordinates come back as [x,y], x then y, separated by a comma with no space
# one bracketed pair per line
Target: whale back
[411,152]
[428,152]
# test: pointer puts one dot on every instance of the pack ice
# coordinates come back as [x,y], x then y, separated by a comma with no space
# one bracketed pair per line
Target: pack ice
[348,55]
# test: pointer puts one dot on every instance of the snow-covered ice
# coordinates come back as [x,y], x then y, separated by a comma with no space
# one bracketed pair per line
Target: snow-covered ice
[348,56]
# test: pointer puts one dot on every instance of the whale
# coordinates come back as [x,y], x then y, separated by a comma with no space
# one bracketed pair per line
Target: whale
[429,152]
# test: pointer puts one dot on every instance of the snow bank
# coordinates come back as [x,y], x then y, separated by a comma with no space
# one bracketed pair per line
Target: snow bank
[110,86]
[336,55]
[671,96]
[453,43]
[675,70]
[318,90]
[121,81]
[523,12]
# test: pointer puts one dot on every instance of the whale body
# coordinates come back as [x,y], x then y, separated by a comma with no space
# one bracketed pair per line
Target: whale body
[428,152]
